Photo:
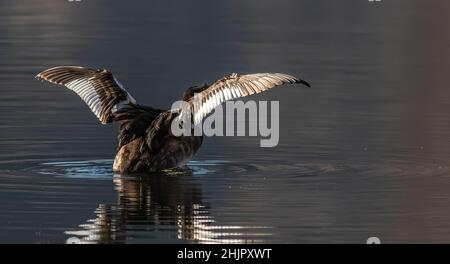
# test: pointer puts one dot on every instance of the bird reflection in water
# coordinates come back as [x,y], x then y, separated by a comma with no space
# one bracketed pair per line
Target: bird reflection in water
[160,208]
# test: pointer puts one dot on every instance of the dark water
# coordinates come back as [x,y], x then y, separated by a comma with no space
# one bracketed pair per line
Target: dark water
[365,153]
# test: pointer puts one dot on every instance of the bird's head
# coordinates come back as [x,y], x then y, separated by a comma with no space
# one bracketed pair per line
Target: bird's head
[189,93]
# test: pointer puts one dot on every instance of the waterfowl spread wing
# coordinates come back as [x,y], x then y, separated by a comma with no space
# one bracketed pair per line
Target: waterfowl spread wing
[98,88]
[235,86]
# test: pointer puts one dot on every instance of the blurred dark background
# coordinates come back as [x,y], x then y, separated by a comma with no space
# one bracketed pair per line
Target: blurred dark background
[364,153]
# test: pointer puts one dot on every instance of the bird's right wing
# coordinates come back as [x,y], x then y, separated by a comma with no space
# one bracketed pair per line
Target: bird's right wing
[232,87]
[98,88]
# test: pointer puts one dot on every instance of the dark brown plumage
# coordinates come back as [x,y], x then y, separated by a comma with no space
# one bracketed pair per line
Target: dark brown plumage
[146,142]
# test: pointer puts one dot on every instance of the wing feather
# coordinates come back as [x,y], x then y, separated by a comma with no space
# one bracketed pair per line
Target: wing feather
[97,88]
[236,86]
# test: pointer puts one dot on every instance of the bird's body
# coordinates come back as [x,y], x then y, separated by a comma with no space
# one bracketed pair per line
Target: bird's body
[146,140]
[157,149]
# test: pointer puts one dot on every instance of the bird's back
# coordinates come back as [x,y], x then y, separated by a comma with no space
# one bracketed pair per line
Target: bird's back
[156,148]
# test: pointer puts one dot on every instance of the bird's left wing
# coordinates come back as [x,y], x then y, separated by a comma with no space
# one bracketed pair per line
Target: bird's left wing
[97,87]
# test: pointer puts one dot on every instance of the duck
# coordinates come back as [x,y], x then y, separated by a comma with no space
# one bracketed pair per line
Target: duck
[146,142]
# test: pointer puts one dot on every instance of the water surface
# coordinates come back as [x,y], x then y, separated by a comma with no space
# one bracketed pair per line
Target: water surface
[365,153]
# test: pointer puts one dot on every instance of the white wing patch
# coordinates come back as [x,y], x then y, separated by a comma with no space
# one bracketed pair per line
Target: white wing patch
[130,98]
[90,97]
